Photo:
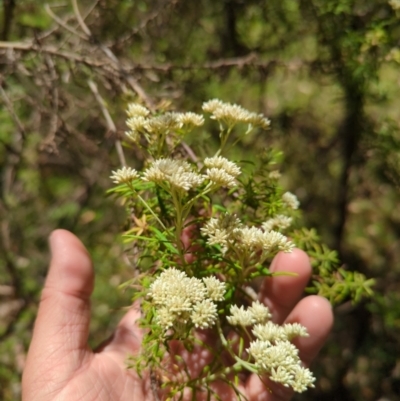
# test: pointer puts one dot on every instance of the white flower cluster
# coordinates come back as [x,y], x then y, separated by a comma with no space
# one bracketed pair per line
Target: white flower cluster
[125,174]
[395,4]
[290,200]
[272,351]
[182,299]
[181,174]
[190,119]
[221,171]
[137,110]
[222,230]
[274,175]
[257,313]
[232,114]
[228,231]
[280,222]
[178,173]
[141,122]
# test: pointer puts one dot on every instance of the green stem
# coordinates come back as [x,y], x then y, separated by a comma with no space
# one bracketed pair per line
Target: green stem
[240,363]
[147,206]
[238,139]
[178,223]
[224,138]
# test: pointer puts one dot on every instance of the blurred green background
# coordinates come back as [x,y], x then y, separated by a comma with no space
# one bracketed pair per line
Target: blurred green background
[325,71]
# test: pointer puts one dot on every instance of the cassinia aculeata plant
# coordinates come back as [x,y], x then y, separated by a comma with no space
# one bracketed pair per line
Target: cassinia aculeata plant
[204,228]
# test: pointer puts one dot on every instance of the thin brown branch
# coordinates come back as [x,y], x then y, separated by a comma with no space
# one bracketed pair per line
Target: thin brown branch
[10,109]
[143,24]
[49,141]
[80,20]
[133,83]
[62,23]
[110,123]
[90,9]
[250,60]
[154,385]
[32,47]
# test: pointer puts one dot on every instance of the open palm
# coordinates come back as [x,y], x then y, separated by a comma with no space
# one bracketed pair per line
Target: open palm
[60,365]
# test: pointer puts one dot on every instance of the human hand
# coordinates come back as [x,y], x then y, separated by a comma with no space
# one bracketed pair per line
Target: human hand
[60,365]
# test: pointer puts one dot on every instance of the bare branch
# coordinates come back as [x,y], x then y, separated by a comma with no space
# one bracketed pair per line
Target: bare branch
[250,60]
[151,17]
[80,20]
[10,109]
[63,24]
[135,86]
[90,9]
[49,141]
[110,123]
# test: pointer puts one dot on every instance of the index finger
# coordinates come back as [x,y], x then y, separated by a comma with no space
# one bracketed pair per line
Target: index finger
[282,293]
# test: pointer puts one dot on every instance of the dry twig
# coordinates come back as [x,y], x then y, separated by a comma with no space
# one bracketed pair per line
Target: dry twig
[110,123]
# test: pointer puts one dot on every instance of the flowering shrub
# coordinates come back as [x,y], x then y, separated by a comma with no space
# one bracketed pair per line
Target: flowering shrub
[203,229]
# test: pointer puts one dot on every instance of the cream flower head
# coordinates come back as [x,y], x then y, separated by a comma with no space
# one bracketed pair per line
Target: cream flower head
[178,173]
[182,299]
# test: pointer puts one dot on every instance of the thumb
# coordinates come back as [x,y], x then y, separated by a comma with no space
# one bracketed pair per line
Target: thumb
[62,325]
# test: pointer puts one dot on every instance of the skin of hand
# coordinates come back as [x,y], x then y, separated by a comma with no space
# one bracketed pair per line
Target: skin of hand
[60,365]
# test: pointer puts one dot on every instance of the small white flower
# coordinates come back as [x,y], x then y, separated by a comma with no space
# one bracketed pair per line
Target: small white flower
[258,350]
[222,230]
[293,330]
[179,298]
[137,126]
[204,314]
[259,312]
[275,355]
[125,174]
[232,114]
[250,237]
[269,332]
[162,123]
[212,105]
[136,123]
[178,173]
[190,119]
[239,316]
[303,378]
[282,354]
[219,237]
[215,288]
[279,221]
[395,4]
[290,200]
[134,136]
[137,110]
[222,163]
[272,240]
[274,175]
[220,177]
[165,318]
[258,120]
[281,375]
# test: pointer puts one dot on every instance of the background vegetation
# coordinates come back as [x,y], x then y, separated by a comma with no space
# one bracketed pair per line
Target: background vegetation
[325,71]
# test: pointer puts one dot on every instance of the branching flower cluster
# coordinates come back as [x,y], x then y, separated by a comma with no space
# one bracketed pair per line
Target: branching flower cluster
[180,299]
[201,230]
[232,114]
[159,131]
[272,350]
[228,232]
